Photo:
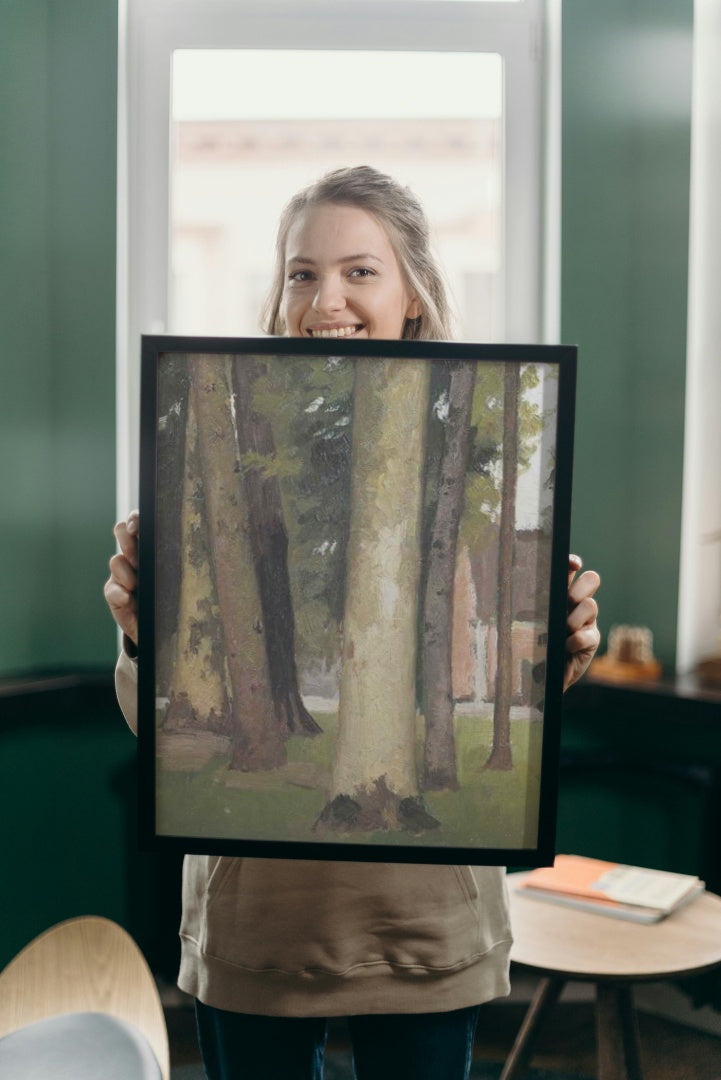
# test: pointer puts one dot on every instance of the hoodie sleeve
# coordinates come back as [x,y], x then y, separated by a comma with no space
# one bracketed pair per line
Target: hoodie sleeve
[126,688]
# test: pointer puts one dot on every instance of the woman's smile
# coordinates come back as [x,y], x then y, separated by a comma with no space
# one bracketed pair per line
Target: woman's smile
[334,331]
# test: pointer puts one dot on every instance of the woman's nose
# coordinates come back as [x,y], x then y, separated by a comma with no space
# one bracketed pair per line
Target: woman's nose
[329,295]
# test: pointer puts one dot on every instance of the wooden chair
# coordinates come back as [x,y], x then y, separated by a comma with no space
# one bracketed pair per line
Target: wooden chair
[84,969]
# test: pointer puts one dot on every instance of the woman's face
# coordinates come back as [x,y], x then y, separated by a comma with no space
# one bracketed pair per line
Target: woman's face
[342,277]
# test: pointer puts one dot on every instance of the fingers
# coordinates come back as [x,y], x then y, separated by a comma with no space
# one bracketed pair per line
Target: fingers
[586,641]
[121,587]
[582,607]
[581,648]
[123,572]
[123,607]
[583,636]
[575,562]
[126,534]
[120,600]
[583,613]
[584,586]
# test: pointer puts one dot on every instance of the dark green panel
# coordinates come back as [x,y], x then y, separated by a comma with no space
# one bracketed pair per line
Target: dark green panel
[68,784]
[641,777]
[83,76]
[65,786]
[626,145]
[625,817]
[58,75]
[26,523]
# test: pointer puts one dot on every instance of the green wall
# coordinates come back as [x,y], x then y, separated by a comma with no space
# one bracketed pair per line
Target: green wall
[58,73]
[625,200]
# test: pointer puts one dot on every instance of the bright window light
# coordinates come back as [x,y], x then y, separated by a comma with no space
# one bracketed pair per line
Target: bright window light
[220,84]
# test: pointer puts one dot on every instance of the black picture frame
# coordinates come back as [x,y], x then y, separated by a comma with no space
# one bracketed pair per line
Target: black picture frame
[334,457]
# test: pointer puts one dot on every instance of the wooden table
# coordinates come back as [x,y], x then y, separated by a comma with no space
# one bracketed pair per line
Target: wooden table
[563,944]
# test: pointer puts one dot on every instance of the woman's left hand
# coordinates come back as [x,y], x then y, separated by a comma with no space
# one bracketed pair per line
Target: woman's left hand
[583,635]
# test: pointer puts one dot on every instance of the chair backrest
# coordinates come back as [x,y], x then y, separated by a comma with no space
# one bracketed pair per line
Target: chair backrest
[88,964]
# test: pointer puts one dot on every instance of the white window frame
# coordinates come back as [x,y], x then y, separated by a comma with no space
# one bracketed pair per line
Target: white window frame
[526,34]
[699,597]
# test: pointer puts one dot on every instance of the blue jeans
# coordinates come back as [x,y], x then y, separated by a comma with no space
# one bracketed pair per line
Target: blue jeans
[414,1046]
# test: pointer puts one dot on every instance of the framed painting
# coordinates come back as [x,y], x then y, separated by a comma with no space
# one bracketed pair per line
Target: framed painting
[352,597]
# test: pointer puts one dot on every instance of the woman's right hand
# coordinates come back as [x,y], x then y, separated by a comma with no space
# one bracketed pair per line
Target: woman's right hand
[121,587]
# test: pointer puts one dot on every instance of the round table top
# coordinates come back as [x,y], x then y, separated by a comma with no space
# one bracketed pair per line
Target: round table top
[559,940]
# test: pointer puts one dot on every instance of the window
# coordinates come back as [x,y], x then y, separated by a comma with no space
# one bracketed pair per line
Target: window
[228,107]
[235,161]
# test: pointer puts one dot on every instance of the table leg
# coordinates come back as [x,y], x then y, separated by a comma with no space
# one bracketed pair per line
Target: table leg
[617,1033]
[545,997]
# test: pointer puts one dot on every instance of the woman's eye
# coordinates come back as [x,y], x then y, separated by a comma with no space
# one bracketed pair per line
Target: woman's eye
[362,272]
[300,276]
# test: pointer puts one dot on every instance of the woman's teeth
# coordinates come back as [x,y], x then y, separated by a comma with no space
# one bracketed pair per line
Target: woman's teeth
[337,331]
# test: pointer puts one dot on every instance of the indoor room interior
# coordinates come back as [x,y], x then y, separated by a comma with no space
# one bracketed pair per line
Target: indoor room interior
[98,247]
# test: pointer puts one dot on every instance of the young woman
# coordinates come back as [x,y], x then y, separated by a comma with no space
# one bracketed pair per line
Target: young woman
[272,948]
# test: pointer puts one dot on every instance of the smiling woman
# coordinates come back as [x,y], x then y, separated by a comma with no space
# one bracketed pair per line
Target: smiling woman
[370,939]
[353,259]
[331,292]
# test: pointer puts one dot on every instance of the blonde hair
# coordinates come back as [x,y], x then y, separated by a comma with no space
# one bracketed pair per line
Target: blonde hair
[403,217]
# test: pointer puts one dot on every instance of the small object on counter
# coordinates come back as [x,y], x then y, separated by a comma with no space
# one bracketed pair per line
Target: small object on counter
[708,671]
[629,657]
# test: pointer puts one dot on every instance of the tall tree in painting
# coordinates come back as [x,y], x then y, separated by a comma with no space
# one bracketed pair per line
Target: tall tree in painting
[439,765]
[269,541]
[171,467]
[198,692]
[374,778]
[258,739]
[501,756]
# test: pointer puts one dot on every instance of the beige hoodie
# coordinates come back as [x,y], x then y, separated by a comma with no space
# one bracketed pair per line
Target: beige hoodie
[284,937]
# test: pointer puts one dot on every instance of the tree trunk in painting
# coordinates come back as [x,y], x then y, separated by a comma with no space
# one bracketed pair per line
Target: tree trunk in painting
[374,780]
[269,539]
[256,730]
[171,434]
[465,622]
[501,754]
[198,693]
[439,762]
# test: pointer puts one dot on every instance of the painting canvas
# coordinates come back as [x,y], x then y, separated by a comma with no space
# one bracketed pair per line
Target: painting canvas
[352,597]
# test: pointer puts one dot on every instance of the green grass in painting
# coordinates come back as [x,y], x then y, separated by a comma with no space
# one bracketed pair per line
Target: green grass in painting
[490,809]
[202,805]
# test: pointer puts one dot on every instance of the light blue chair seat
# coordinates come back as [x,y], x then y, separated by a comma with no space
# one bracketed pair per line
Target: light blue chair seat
[78,1046]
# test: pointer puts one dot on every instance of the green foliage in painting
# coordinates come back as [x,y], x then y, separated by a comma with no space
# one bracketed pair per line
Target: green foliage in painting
[309,402]
[484,480]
